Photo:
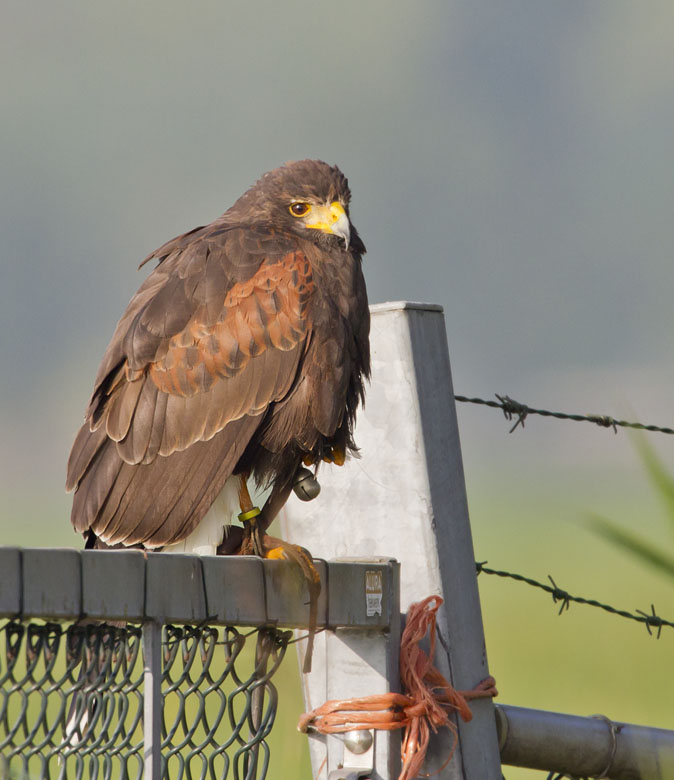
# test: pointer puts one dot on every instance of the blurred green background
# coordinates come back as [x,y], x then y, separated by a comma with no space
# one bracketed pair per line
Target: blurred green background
[510,161]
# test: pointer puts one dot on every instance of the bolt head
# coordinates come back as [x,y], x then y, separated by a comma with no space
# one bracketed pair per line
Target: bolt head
[358,741]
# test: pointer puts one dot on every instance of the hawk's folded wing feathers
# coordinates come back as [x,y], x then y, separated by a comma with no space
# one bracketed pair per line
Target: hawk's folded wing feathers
[201,347]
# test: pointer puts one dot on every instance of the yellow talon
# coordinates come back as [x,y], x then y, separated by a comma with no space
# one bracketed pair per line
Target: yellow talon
[335,455]
[276,554]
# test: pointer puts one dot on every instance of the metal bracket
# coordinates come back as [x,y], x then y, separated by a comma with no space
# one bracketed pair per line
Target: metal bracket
[358,761]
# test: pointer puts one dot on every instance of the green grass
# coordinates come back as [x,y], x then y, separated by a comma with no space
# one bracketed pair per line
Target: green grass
[583,661]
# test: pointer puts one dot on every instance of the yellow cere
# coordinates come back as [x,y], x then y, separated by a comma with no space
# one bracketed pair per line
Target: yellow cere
[326,216]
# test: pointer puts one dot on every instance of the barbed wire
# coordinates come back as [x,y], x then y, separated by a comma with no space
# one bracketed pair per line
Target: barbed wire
[651,620]
[514,409]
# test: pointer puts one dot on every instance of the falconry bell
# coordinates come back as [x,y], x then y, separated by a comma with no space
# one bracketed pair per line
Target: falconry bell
[305,485]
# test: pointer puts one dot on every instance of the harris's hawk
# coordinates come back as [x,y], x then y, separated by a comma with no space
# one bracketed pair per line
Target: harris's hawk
[242,354]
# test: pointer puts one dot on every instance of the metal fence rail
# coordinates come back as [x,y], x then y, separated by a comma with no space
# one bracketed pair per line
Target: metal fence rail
[173,690]
[583,746]
[170,688]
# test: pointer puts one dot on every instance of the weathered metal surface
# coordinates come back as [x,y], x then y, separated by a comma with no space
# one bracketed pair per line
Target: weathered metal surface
[405,497]
[583,747]
[350,662]
[287,594]
[235,590]
[10,581]
[226,590]
[51,583]
[153,704]
[175,588]
[113,584]
[360,596]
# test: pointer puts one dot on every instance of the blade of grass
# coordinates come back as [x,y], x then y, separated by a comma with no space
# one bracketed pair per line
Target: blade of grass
[648,552]
[661,479]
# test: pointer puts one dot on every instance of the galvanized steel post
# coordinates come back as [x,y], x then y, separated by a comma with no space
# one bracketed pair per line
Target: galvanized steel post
[152,700]
[357,656]
[405,497]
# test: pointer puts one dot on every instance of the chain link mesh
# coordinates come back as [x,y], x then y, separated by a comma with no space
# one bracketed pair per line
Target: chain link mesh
[71,701]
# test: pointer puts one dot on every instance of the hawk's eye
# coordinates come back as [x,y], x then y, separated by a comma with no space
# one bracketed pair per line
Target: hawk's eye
[299,209]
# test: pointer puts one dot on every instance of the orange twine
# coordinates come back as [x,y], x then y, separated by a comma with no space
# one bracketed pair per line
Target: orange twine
[425,705]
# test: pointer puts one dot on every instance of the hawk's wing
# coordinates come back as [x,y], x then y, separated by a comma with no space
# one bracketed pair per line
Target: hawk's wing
[214,335]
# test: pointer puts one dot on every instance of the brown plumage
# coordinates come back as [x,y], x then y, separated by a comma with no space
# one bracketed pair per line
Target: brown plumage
[245,350]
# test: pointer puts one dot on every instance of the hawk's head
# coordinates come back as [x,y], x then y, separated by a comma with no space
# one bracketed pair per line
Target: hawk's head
[309,198]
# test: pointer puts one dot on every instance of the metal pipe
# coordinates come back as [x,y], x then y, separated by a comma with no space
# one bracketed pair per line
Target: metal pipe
[585,747]
[152,700]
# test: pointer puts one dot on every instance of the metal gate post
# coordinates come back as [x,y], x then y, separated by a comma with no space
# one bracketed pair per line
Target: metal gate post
[353,659]
[152,700]
[405,497]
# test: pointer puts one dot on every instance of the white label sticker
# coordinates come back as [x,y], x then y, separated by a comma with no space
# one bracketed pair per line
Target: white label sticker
[374,591]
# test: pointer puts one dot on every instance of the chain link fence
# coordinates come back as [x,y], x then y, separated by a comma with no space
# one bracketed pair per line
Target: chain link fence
[72,698]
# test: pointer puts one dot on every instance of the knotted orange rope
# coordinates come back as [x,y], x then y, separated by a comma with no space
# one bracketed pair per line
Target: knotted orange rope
[425,705]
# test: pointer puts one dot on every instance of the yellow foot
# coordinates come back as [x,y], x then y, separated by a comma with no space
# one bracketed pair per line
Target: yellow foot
[335,455]
[276,554]
[277,549]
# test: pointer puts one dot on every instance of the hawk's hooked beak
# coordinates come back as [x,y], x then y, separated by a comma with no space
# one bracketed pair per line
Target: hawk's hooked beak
[331,219]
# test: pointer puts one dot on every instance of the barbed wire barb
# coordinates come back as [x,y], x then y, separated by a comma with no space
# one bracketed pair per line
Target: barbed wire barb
[652,620]
[512,409]
[560,595]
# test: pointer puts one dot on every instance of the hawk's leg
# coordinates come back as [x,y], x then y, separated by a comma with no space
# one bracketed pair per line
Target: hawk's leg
[257,542]
[250,515]
[238,541]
